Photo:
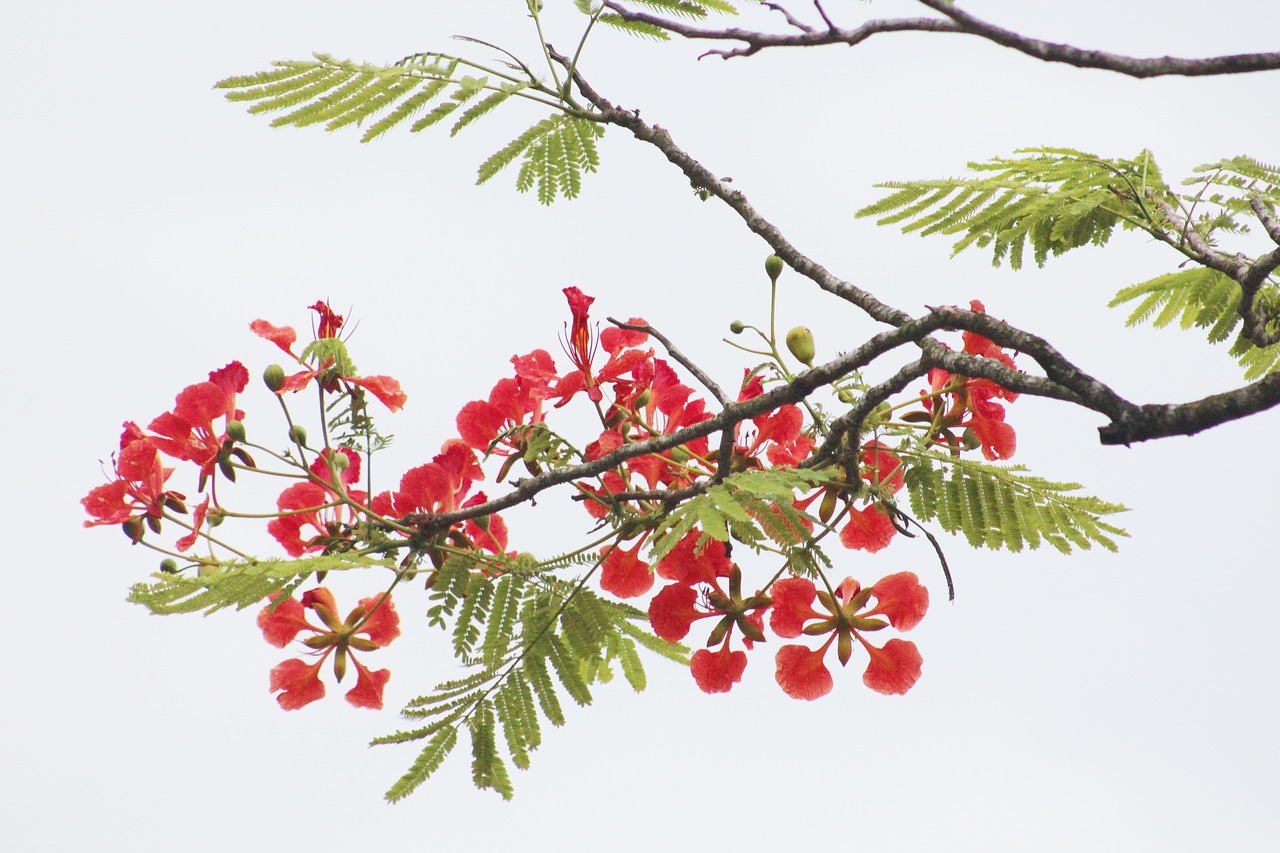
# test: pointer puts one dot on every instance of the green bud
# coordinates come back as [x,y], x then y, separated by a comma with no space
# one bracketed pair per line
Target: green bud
[880,414]
[273,376]
[215,517]
[133,529]
[297,434]
[169,565]
[773,267]
[338,461]
[235,430]
[737,327]
[800,342]
[679,454]
[828,506]
[643,399]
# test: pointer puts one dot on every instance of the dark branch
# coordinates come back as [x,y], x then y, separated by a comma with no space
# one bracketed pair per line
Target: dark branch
[684,361]
[960,22]
[1162,420]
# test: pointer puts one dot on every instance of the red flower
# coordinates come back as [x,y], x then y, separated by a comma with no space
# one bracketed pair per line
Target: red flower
[623,573]
[792,606]
[802,672]
[674,610]
[581,344]
[868,529]
[308,505]
[188,432]
[893,669]
[491,425]
[882,468]
[690,563]
[717,672]
[385,388]
[973,401]
[298,682]
[138,490]
[441,485]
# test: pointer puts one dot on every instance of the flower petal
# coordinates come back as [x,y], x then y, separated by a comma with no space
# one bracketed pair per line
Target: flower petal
[281,625]
[301,683]
[717,672]
[868,529]
[801,673]
[384,625]
[624,574]
[902,598]
[894,669]
[368,690]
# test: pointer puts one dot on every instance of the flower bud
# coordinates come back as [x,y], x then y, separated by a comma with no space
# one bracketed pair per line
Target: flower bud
[679,454]
[297,434]
[737,327]
[273,376]
[235,430]
[215,517]
[879,415]
[169,565]
[844,647]
[800,342]
[643,399]
[338,461]
[828,506]
[773,267]
[133,529]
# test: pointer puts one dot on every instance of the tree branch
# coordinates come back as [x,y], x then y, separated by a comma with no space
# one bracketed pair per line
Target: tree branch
[957,21]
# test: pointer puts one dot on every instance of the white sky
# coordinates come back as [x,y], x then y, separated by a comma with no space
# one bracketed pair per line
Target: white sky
[1102,702]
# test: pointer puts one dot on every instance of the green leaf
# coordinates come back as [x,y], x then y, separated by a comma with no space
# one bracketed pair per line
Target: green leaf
[238,584]
[1053,200]
[1004,507]
[428,762]
[635,28]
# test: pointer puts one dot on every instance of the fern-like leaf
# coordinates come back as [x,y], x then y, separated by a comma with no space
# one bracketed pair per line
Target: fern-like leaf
[238,585]
[1004,507]
[1053,200]
[635,28]
[1202,298]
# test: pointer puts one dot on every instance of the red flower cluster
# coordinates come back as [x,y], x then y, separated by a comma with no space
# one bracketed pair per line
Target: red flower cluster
[870,528]
[802,673]
[637,396]
[137,494]
[974,406]
[696,594]
[316,504]
[298,681]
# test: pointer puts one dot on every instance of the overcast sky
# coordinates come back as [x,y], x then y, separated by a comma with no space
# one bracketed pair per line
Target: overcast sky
[1102,702]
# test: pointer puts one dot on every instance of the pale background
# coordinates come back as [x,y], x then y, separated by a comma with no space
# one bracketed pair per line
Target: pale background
[1100,702]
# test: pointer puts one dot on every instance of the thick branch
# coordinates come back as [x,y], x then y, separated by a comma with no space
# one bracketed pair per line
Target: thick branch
[1062,380]
[1162,420]
[960,22]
